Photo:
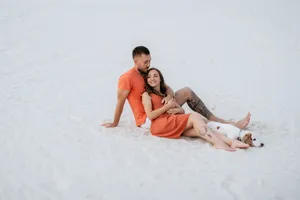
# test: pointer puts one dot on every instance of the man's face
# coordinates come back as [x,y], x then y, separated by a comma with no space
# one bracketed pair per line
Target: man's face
[142,62]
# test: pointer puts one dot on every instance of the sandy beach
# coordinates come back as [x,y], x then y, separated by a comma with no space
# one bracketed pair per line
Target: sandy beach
[59,66]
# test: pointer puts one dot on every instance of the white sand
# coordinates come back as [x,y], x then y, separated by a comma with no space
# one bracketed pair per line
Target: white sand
[59,65]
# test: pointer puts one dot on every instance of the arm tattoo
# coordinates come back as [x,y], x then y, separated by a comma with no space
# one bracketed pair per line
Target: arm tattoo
[198,106]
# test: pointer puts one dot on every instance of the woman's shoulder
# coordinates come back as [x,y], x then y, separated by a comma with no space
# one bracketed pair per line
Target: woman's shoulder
[146,94]
[150,95]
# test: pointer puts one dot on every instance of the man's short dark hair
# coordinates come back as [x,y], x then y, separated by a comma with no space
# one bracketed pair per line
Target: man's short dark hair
[139,50]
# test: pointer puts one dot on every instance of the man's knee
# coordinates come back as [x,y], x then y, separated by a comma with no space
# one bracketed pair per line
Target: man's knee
[186,92]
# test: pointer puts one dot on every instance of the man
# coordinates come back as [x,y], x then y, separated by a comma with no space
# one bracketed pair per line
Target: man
[131,86]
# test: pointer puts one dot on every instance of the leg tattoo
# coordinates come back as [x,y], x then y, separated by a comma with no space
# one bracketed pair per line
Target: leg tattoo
[204,132]
[195,103]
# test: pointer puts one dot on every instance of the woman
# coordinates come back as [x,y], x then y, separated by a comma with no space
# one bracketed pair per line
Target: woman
[165,124]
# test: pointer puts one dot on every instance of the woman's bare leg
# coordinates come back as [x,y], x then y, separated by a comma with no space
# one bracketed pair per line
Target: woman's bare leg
[190,133]
[232,143]
[201,130]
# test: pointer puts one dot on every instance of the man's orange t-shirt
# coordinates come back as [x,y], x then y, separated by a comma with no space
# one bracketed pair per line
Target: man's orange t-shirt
[133,81]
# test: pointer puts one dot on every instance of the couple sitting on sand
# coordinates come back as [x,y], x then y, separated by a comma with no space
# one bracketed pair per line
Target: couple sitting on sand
[150,98]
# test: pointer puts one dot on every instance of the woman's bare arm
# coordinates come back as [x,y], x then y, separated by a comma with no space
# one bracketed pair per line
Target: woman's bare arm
[152,114]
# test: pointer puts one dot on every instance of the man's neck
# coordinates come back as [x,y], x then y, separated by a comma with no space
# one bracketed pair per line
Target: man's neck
[140,71]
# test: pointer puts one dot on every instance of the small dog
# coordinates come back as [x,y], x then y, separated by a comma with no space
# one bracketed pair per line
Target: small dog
[233,132]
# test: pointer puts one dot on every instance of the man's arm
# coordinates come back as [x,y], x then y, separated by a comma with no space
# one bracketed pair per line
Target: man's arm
[170,95]
[170,92]
[122,95]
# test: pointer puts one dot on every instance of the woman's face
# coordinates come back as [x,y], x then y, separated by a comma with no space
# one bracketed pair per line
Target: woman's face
[153,78]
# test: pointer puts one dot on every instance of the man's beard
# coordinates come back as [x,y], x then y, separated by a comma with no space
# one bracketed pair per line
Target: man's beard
[142,73]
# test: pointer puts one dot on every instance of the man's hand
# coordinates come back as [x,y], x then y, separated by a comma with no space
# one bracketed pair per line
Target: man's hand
[171,103]
[122,95]
[166,99]
[109,125]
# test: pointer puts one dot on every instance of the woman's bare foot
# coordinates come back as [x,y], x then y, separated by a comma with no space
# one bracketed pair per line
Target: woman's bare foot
[223,146]
[239,144]
[243,123]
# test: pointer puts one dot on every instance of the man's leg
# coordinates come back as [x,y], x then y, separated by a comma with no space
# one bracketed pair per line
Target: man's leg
[187,95]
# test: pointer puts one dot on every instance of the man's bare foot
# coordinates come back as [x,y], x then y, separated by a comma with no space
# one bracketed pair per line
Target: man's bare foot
[223,146]
[239,144]
[243,123]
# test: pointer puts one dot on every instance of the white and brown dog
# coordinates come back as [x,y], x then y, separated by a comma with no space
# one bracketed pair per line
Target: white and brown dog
[233,132]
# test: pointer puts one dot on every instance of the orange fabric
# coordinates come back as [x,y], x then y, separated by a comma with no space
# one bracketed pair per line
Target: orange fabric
[133,81]
[167,125]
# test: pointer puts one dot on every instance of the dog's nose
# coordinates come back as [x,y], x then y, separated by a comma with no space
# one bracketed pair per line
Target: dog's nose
[261,144]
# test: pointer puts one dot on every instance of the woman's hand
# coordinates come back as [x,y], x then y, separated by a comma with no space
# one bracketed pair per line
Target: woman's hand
[173,111]
[176,110]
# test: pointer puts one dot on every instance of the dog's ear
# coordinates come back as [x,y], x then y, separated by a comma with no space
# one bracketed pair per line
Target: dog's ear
[247,139]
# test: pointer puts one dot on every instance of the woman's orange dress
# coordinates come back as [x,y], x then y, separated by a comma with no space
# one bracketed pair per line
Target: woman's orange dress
[167,125]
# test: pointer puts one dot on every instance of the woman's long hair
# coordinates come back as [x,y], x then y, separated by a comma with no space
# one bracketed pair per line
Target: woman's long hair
[151,90]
